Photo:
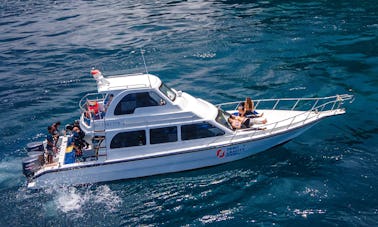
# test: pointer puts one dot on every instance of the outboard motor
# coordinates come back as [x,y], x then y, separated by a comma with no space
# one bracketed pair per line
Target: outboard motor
[32,164]
[35,153]
[35,149]
[34,146]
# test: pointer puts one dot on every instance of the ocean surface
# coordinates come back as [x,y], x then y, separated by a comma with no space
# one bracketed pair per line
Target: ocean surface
[217,50]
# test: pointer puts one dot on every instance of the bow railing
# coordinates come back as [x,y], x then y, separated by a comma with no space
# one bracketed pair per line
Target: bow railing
[308,109]
[301,104]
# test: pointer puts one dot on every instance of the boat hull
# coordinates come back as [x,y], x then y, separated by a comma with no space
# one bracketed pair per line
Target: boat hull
[159,164]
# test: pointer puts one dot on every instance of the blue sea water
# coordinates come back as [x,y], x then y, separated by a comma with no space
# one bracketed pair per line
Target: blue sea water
[219,51]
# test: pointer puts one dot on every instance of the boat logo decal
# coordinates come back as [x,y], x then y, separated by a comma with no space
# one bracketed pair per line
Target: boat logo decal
[220,153]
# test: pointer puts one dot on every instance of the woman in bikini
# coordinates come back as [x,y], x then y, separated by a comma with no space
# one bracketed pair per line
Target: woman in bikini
[239,122]
[248,111]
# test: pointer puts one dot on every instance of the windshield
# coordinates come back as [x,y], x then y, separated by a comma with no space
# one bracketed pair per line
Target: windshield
[168,92]
[222,118]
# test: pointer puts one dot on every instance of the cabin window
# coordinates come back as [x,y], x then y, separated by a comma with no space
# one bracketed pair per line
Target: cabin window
[222,118]
[168,92]
[128,139]
[163,135]
[108,99]
[130,102]
[199,130]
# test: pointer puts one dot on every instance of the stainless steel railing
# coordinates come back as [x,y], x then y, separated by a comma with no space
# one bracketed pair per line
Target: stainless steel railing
[89,117]
[91,97]
[282,103]
[306,106]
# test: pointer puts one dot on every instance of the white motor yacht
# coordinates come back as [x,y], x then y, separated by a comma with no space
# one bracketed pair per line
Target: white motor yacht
[137,126]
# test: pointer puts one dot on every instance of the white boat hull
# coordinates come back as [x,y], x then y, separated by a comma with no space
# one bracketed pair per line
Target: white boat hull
[96,171]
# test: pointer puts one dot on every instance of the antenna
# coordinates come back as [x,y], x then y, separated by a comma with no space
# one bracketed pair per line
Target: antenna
[144,61]
[145,66]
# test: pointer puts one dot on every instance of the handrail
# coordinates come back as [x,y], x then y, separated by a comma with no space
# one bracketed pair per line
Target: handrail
[343,97]
[83,105]
[331,103]
[90,97]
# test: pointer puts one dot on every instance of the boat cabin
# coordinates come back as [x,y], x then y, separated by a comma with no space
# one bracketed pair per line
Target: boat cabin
[138,110]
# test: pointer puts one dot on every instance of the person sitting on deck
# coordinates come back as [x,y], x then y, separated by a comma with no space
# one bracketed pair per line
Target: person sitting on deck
[76,142]
[253,120]
[249,109]
[93,110]
[78,139]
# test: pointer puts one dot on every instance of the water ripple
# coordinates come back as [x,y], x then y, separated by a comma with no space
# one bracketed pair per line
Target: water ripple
[220,51]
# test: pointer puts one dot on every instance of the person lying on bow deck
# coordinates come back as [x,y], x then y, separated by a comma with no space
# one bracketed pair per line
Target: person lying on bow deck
[243,122]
